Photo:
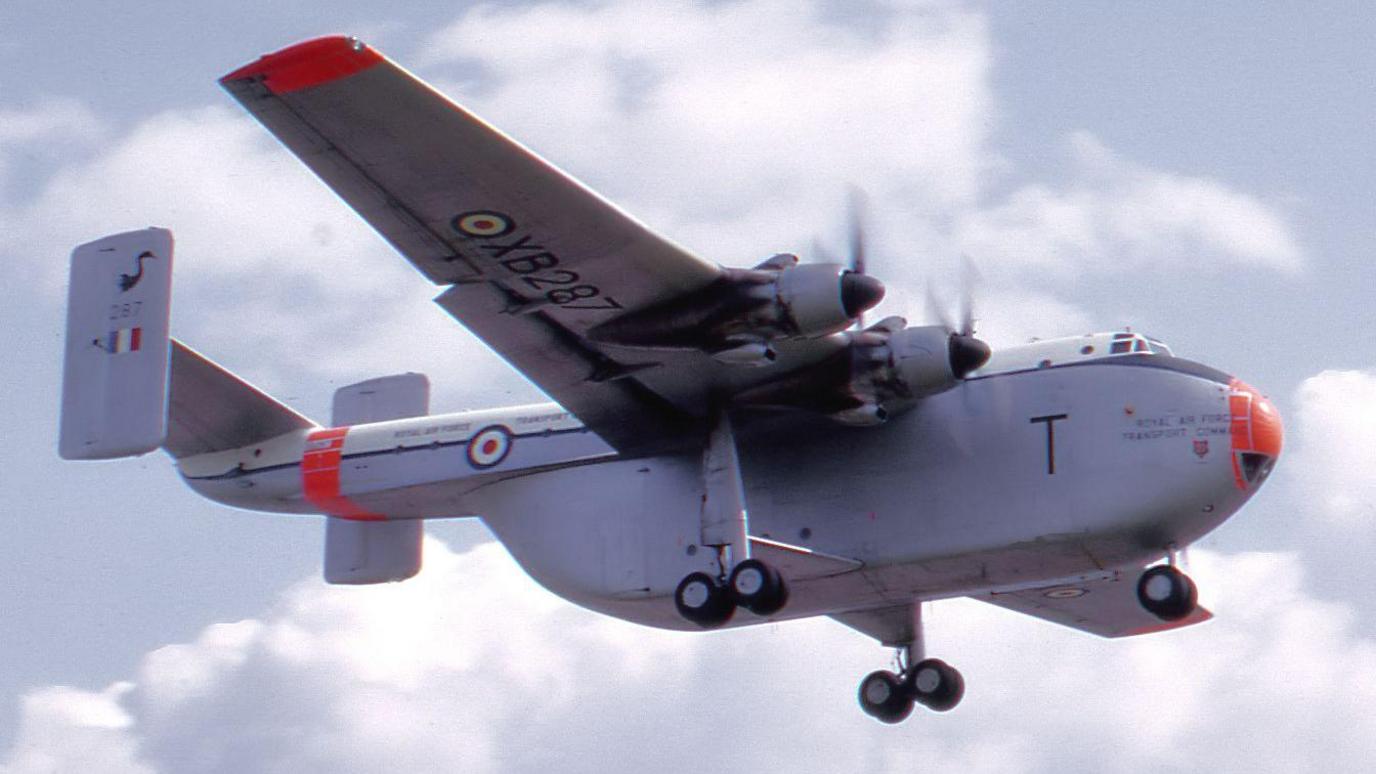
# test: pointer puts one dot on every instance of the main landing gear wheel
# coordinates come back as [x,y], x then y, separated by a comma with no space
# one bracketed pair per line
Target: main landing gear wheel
[702,600]
[758,587]
[885,697]
[889,698]
[935,684]
[1167,593]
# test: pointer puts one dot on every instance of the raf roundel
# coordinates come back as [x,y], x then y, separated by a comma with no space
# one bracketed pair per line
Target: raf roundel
[483,224]
[489,446]
[1068,592]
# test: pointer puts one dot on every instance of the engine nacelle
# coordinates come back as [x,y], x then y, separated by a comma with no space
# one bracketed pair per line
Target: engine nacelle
[922,360]
[820,298]
[749,307]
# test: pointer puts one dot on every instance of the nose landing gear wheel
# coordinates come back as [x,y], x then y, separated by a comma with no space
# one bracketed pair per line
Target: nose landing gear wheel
[935,684]
[884,697]
[758,587]
[1167,593]
[700,599]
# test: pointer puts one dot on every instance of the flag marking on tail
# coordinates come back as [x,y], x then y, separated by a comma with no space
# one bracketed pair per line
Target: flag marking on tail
[124,340]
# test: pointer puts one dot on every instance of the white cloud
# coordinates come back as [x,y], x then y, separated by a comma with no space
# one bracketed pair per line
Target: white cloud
[736,127]
[49,120]
[1115,215]
[1335,444]
[45,131]
[66,729]
[274,273]
[471,667]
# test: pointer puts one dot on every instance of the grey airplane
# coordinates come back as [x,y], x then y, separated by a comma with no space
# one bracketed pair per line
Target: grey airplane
[728,446]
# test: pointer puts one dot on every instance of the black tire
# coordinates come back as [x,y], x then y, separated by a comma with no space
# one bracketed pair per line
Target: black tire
[1167,593]
[758,587]
[883,697]
[700,599]
[935,684]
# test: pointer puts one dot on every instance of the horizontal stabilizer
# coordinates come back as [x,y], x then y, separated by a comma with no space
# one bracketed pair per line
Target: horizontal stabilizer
[211,409]
[114,379]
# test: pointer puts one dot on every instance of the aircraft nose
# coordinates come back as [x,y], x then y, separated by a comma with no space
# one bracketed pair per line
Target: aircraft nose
[1256,434]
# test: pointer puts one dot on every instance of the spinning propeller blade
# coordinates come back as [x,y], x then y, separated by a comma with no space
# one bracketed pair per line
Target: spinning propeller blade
[967,352]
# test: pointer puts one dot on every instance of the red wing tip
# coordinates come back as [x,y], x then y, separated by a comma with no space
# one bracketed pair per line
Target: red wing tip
[308,63]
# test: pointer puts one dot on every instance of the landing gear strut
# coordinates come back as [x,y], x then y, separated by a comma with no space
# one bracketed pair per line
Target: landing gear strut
[1167,593]
[740,581]
[889,697]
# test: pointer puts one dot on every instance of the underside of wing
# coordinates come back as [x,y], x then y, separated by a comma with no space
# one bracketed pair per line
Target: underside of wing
[469,207]
[639,338]
[1106,606]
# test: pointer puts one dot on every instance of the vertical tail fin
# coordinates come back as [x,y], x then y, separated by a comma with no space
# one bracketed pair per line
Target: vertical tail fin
[359,552]
[114,381]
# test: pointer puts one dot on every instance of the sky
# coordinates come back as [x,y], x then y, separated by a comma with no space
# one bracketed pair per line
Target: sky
[1201,173]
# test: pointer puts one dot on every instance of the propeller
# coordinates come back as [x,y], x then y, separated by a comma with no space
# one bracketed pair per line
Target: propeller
[859,291]
[967,352]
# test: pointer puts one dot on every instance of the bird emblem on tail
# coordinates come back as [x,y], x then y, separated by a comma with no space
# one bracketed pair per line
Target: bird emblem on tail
[128,281]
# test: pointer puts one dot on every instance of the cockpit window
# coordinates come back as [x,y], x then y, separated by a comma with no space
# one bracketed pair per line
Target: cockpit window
[1255,466]
[1127,341]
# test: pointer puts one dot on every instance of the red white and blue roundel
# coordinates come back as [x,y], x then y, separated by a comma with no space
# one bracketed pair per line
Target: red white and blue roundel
[489,446]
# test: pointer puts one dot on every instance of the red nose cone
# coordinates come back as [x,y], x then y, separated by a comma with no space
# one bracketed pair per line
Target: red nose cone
[1267,431]
[1256,423]
[1257,434]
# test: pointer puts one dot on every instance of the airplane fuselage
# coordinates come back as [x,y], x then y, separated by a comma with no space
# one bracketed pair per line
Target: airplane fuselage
[1034,471]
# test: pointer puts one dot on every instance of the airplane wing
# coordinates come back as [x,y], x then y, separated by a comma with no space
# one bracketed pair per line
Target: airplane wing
[1106,606]
[532,259]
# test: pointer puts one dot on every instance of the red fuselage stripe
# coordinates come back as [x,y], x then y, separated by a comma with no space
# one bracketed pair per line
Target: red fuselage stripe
[320,476]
